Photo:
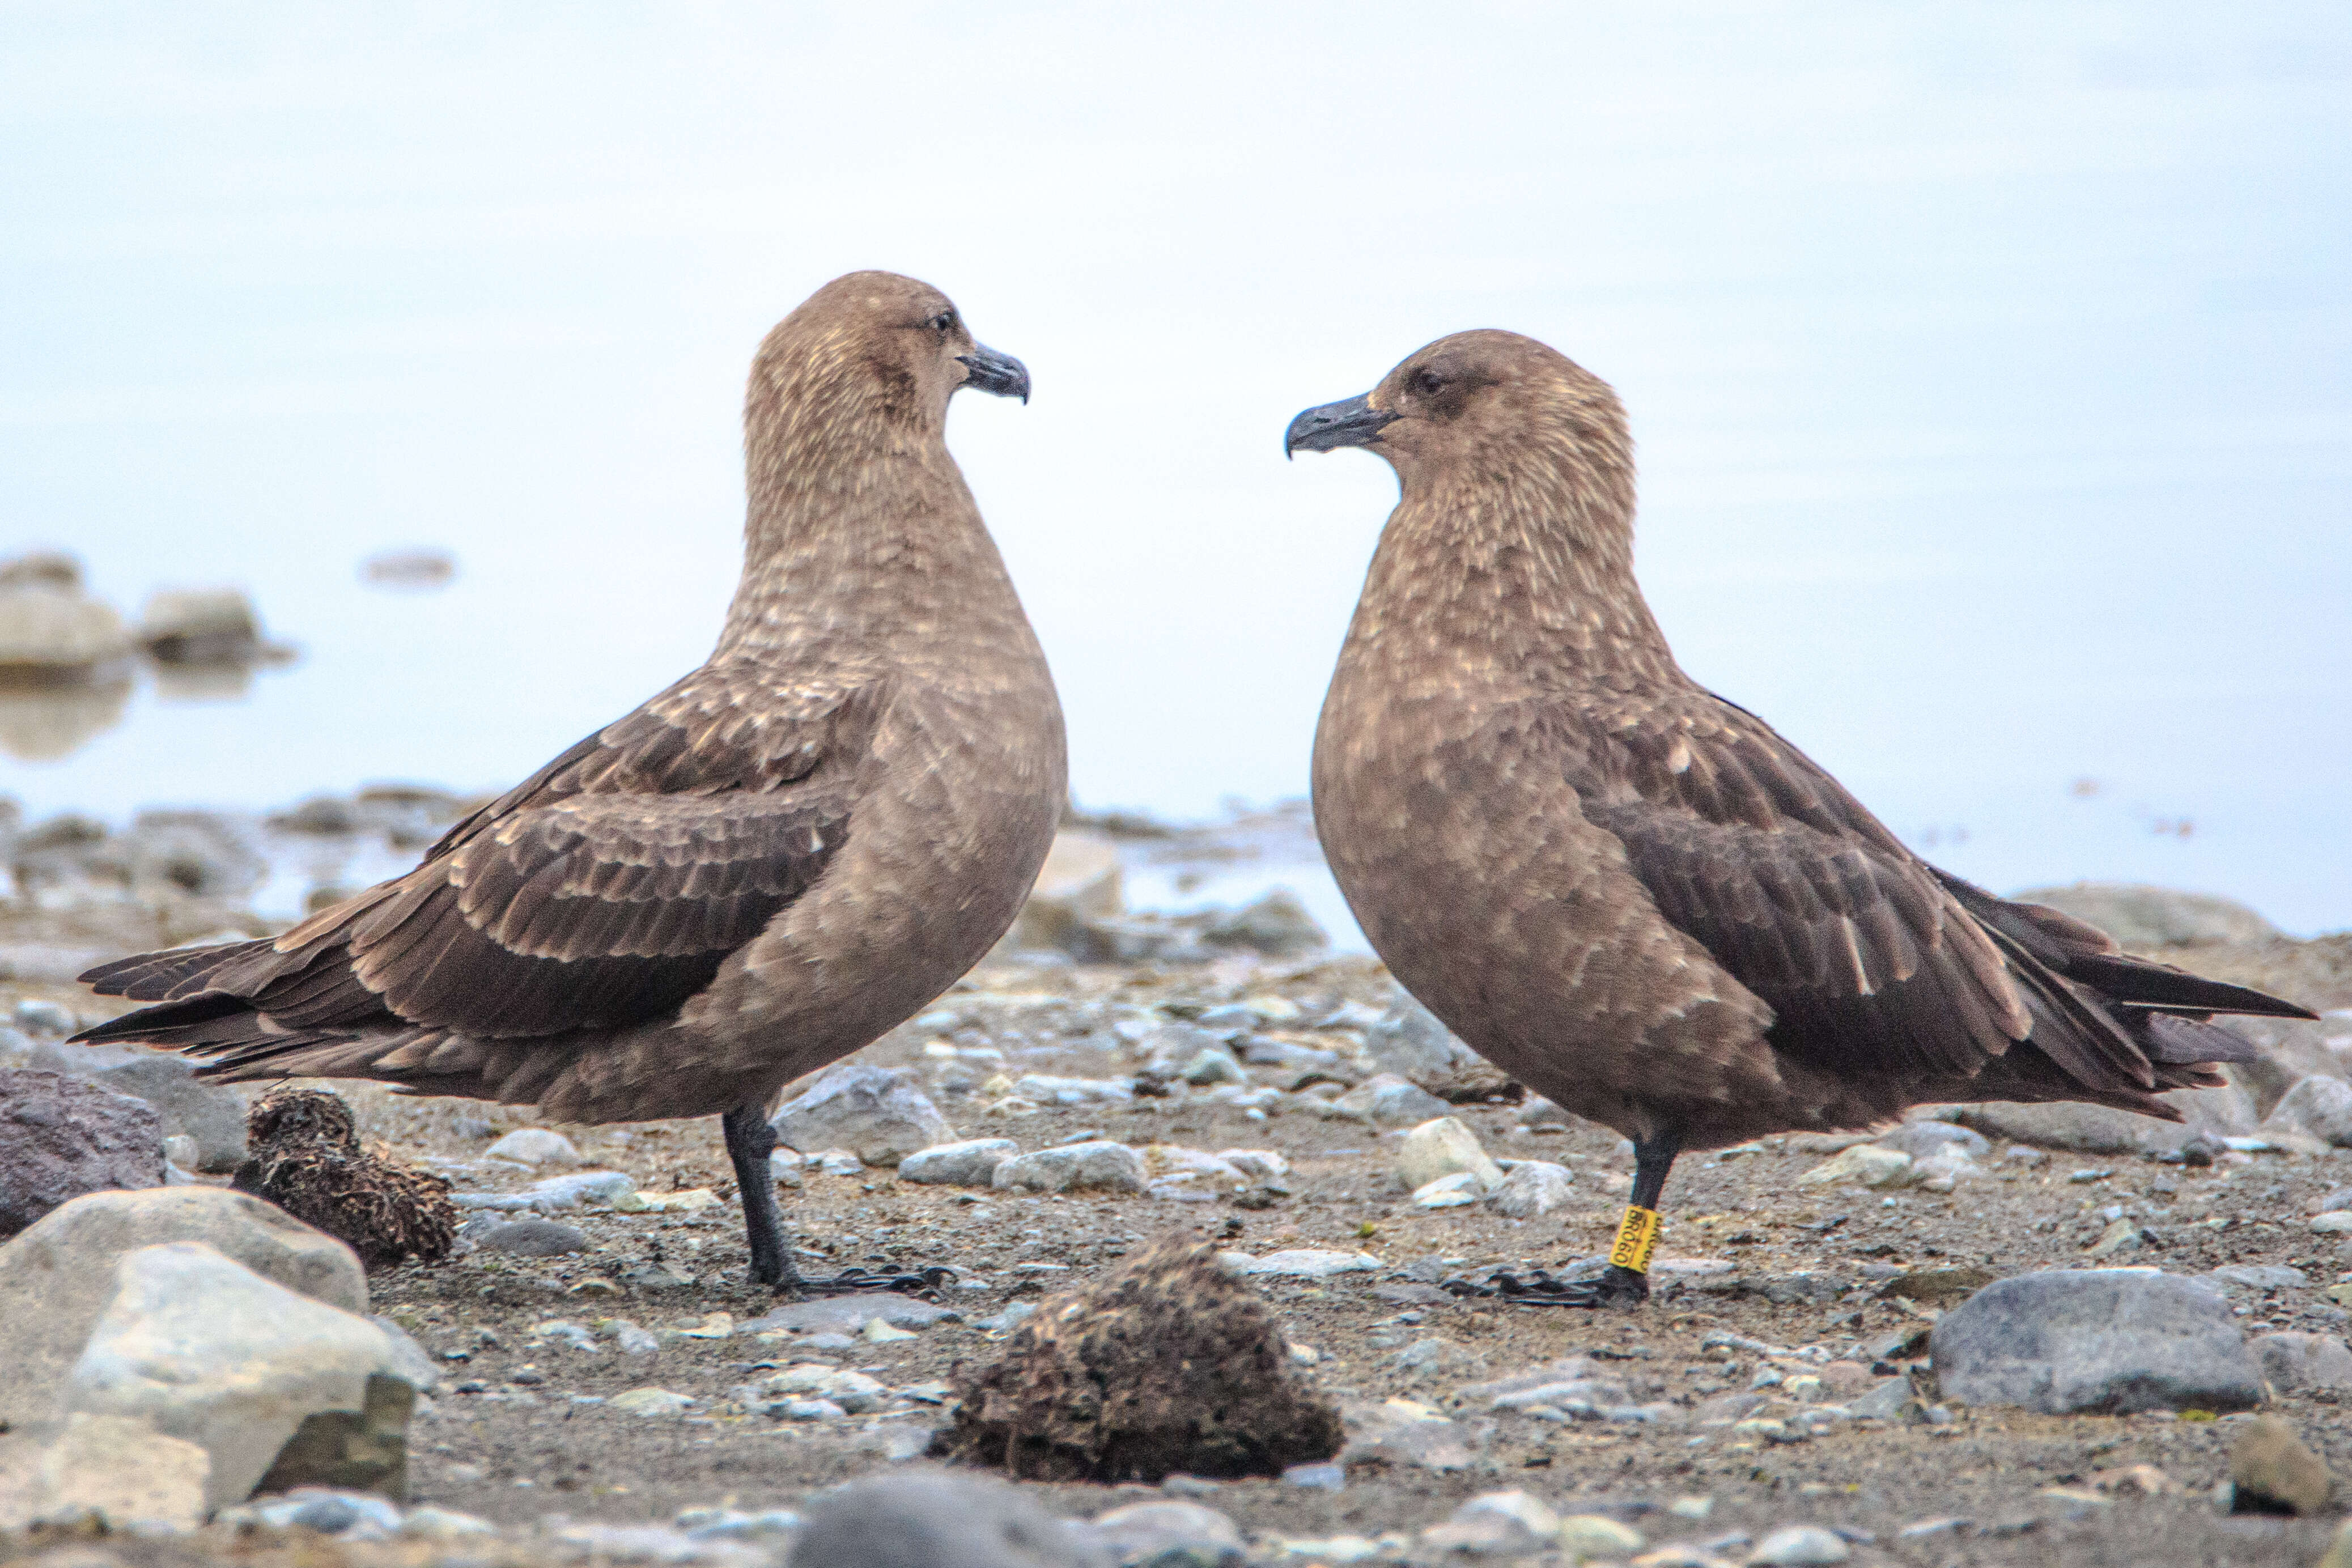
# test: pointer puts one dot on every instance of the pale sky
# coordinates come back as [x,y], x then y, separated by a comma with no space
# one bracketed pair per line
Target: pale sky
[1990,367]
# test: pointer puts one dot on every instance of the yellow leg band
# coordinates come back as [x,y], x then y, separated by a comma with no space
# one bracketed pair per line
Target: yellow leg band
[1637,1238]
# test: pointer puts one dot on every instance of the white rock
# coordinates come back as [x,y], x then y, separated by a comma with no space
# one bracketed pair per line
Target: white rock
[1800,1546]
[1532,1187]
[1944,1170]
[970,1163]
[1041,1090]
[206,1349]
[550,1194]
[2333,1224]
[1865,1163]
[534,1147]
[1448,1191]
[1261,1164]
[1170,1159]
[1099,1164]
[1586,1535]
[1309,1263]
[649,1402]
[57,1275]
[1442,1147]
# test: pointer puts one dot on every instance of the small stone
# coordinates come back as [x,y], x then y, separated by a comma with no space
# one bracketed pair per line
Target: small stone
[1307,1263]
[937,1517]
[2302,1362]
[2335,1223]
[1040,1089]
[1587,1535]
[972,1163]
[1495,1524]
[426,1522]
[1442,1147]
[714,1325]
[1405,1432]
[37,1016]
[533,1238]
[2261,1276]
[1386,1100]
[1448,1192]
[876,1331]
[534,1147]
[1213,1065]
[2109,1341]
[630,1339]
[2121,1236]
[1321,1475]
[553,1194]
[62,1136]
[1921,1139]
[850,1314]
[2272,1470]
[1098,1165]
[2319,1106]
[1867,1164]
[1168,1534]
[1889,1399]
[649,1401]
[1409,1042]
[1801,1546]
[1275,923]
[1531,1188]
[880,1112]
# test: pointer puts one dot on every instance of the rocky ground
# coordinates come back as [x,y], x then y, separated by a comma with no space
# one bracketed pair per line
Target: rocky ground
[611,1386]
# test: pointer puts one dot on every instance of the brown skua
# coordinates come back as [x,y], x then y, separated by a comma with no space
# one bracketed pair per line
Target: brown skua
[764,868]
[1629,894]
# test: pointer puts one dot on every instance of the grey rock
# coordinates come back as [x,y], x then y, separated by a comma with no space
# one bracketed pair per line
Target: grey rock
[848,1314]
[970,1163]
[1046,1090]
[1383,1433]
[2288,1051]
[533,1238]
[57,1278]
[2321,1107]
[534,1147]
[211,1113]
[2104,1341]
[1801,1546]
[1921,1139]
[933,1519]
[61,1137]
[1388,1100]
[2260,1276]
[39,1016]
[878,1112]
[1532,1187]
[551,1194]
[1889,1399]
[1212,1065]
[206,1349]
[2304,1363]
[1167,1534]
[1409,1042]
[2086,1129]
[1080,883]
[1167,1049]
[200,855]
[200,626]
[1098,1163]
[2141,916]
[1275,923]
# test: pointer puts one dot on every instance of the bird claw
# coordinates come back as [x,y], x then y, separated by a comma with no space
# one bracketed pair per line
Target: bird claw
[1614,1288]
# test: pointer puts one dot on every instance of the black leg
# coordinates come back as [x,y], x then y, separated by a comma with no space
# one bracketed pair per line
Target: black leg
[750,1141]
[1626,1282]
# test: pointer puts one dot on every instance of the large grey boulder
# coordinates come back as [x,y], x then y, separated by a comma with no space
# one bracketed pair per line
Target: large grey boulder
[211,1113]
[61,1137]
[269,1383]
[2095,1341]
[877,1111]
[57,1278]
[2141,916]
[932,1520]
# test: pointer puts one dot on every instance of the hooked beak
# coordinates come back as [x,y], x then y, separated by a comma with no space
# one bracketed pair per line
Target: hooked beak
[1352,423]
[985,369]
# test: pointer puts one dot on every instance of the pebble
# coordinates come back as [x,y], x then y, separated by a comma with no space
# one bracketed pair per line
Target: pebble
[2109,1341]
[1303,1263]
[1530,1189]
[1868,1164]
[849,1314]
[1449,1191]
[1584,1535]
[1168,1534]
[2319,1107]
[36,1015]
[1322,1476]
[1922,1138]
[1043,1090]
[534,1147]
[2301,1362]
[1409,1042]
[1332,1549]
[553,1193]
[734,1524]
[937,1517]
[531,1238]
[1212,1065]
[1439,1147]
[2270,1465]
[649,1401]
[1101,1165]
[630,1339]
[2334,1223]
[1497,1524]
[970,1163]
[1386,1100]
[1801,1546]
[878,1112]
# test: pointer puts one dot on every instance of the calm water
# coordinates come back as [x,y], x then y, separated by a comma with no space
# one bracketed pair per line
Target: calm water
[1990,370]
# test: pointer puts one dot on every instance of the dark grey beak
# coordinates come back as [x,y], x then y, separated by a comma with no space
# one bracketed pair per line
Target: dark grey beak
[1354,422]
[985,369]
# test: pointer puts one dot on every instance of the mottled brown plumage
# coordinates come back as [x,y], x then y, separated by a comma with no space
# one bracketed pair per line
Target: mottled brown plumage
[764,868]
[1627,892]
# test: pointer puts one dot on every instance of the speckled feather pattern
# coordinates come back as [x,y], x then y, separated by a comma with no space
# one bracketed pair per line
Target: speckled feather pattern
[768,865]
[1626,891]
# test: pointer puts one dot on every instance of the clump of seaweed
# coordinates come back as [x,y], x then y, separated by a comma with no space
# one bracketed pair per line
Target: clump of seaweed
[304,1155]
[1172,1364]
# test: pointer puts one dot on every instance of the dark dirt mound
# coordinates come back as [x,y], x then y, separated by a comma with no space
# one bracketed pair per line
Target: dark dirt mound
[305,1157]
[1170,1364]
